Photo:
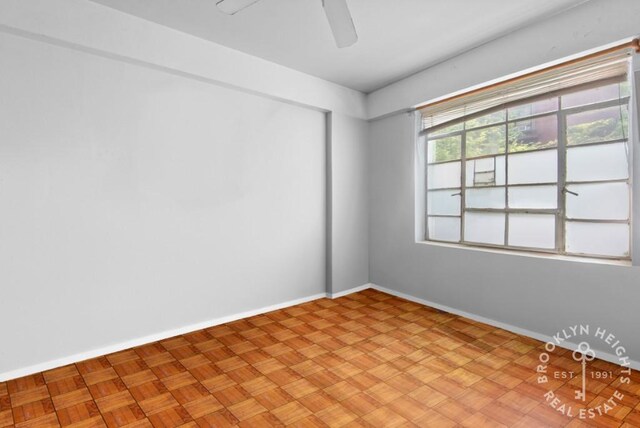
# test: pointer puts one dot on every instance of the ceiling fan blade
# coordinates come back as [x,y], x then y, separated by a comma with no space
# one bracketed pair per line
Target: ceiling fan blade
[231,7]
[339,17]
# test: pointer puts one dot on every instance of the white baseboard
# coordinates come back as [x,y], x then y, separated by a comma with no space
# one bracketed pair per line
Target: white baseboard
[52,364]
[518,330]
[349,291]
[36,368]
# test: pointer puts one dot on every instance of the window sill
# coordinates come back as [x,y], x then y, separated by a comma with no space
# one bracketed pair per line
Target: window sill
[530,254]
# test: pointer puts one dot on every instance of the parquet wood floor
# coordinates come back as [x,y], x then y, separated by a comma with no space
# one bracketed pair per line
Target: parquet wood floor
[365,360]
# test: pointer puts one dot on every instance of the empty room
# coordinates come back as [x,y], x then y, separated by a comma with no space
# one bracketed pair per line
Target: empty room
[319,213]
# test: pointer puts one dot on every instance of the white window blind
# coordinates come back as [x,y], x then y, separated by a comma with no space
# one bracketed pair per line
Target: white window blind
[599,67]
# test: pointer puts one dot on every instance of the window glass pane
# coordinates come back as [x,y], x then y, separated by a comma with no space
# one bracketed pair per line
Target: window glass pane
[533,197]
[532,230]
[529,133]
[596,95]
[593,126]
[533,134]
[600,239]
[449,129]
[533,167]
[485,228]
[492,197]
[601,201]
[625,89]
[537,107]
[443,175]
[444,229]
[443,202]
[600,162]
[444,149]
[488,119]
[485,172]
[485,141]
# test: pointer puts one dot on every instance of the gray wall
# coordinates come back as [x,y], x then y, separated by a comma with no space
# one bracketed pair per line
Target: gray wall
[348,237]
[136,201]
[540,295]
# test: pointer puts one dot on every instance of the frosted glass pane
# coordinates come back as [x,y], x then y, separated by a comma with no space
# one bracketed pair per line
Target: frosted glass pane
[600,239]
[444,149]
[487,228]
[486,164]
[601,162]
[602,201]
[492,197]
[443,203]
[533,167]
[532,230]
[485,172]
[533,197]
[443,175]
[444,229]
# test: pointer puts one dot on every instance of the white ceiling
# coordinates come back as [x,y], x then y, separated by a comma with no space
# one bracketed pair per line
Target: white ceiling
[396,37]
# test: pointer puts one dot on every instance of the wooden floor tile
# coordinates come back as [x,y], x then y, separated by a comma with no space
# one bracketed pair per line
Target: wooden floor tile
[222,418]
[25,383]
[48,420]
[274,398]
[385,417]
[6,418]
[123,416]
[336,415]
[66,385]
[33,410]
[71,398]
[364,360]
[30,395]
[106,388]
[158,403]
[202,407]
[247,409]
[115,401]
[291,412]
[60,373]
[78,413]
[171,417]
[100,376]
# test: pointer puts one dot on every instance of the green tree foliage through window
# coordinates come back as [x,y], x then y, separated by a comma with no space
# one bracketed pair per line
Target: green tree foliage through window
[597,125]
[444,149]
[538,132]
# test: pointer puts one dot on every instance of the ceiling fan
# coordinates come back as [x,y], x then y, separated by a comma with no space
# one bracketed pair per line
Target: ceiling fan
[337,11]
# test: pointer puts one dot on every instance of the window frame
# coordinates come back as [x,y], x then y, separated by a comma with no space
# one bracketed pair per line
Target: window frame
[561,183]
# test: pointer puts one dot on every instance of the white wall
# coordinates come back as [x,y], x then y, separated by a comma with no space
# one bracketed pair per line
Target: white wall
[348,198]
[136,201]
[103,31]
[151,180]
[590,25]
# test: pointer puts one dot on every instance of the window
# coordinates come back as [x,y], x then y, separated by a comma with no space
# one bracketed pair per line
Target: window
[548,172]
